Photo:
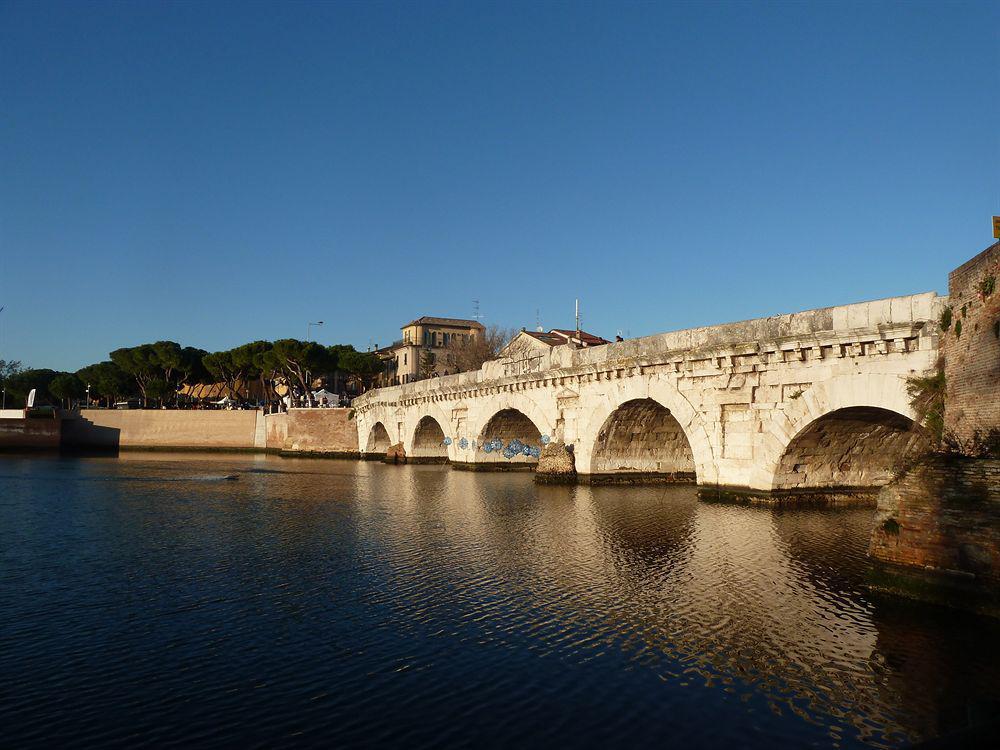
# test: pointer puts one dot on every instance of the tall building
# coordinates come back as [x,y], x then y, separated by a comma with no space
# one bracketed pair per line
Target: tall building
[428,347]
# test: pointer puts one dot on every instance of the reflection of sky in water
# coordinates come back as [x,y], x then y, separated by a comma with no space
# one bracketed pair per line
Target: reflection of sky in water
[354,602]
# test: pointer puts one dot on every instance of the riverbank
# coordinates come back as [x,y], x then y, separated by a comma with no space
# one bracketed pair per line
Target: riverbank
[313,432]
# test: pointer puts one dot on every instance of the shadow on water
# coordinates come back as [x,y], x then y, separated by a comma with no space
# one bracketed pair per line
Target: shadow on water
[79,436]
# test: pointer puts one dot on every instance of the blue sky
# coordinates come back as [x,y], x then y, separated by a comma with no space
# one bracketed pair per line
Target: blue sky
[218,173]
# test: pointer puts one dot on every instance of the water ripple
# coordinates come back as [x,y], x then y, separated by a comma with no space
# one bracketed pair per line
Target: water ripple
[350,604]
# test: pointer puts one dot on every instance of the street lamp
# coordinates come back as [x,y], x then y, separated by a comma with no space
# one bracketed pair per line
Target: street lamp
[88,395]
[309,328]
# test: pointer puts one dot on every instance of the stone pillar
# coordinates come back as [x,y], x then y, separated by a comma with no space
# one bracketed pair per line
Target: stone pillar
[396,454]
[556,465]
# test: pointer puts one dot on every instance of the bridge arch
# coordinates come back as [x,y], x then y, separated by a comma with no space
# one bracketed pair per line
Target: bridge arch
[848,432]
[637,403]
[855,447]
[428,440]
[378,439]
[505,426]
[642,438]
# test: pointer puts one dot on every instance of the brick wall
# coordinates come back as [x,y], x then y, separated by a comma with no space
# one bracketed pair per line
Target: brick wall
[971,348]
[943,515]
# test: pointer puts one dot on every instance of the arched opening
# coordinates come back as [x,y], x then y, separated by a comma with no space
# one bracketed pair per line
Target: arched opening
[641,440]
[378,439]
[510,438]
[428,442]
[859,447]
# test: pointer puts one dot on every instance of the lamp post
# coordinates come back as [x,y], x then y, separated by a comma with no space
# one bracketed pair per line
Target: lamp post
[309,328]
[88,395]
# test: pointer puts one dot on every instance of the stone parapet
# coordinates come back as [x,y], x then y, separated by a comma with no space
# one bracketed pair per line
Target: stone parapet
[894,325]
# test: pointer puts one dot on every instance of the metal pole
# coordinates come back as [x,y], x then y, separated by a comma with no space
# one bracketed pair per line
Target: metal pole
[309,329]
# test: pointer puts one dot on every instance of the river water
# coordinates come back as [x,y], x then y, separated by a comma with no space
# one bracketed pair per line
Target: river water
[148,600]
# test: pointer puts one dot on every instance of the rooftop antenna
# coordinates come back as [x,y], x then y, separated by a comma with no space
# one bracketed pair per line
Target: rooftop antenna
[538,321]
[475,311]
[578,320]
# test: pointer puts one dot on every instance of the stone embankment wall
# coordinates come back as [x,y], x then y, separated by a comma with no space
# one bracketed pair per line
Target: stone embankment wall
[153,429]
[29,434]
[306,431]
[941,519]
[275,431]
[971,348]
[329,432]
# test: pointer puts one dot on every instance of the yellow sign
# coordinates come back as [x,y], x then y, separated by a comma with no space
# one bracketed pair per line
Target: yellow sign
[996,227]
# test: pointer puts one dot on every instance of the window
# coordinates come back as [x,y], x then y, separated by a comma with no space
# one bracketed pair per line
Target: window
[404,358]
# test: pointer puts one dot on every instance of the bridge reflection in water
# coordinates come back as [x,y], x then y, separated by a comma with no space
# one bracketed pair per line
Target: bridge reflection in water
[357,603]
[755,601]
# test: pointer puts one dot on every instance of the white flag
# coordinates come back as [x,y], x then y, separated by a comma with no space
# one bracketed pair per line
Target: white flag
[31,398]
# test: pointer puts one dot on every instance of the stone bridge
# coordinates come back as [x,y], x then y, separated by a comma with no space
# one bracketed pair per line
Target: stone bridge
[807,401]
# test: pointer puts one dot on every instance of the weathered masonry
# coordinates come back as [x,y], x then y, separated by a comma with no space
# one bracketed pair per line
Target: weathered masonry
[806,401]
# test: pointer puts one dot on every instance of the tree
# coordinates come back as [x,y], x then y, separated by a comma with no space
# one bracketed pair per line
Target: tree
[269,367]
[426,364]
[66,387]
[472,353]
[163,360]
[106,380]
[360,367]
[20,384]
[191,368]
[300,360]
[236,367]
[220,366]
[167,357]
[9,367]
[160,389]
[140,362]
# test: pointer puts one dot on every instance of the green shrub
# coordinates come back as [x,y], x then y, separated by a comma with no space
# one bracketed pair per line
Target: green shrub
[987,285]
[946,319]
[926,394]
